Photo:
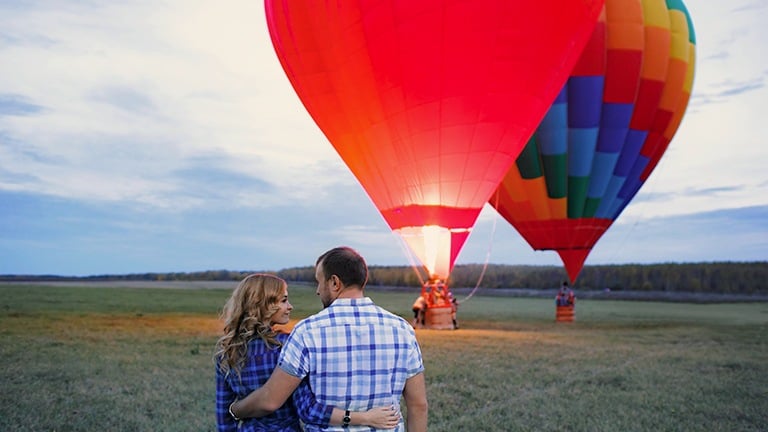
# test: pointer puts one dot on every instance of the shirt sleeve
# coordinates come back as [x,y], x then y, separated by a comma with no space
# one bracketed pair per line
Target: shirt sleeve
[310,410]
[415,363]
[294,358]
[224,397]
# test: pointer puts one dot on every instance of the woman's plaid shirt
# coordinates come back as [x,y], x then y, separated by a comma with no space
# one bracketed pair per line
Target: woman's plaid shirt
[259,364]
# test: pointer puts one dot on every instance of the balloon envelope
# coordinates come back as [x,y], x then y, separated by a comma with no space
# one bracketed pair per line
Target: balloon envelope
[429,102]
[605,132]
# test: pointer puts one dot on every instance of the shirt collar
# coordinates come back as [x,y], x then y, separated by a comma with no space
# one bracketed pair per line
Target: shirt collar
[362,301]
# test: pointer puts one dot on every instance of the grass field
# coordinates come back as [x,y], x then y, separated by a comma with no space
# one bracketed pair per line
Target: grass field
[139,359]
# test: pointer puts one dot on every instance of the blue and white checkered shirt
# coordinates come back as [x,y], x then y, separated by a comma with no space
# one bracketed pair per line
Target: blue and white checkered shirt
[356,354]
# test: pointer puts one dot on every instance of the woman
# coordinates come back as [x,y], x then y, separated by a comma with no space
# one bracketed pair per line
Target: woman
[248,352]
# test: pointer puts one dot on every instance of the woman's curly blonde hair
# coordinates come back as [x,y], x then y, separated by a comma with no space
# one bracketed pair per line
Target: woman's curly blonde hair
[247,315]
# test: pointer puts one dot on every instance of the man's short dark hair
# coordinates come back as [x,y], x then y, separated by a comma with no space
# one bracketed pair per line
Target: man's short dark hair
[345,263]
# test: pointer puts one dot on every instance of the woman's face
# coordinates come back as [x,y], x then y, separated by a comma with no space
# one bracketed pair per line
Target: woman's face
[283,314]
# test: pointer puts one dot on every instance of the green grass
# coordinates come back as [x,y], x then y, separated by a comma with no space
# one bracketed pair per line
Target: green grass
[125,359]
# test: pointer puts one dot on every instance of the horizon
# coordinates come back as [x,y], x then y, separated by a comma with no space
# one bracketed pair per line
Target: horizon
[370,266]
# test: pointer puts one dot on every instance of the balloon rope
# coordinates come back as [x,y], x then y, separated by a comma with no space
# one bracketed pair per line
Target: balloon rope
[487,256]
[411,258]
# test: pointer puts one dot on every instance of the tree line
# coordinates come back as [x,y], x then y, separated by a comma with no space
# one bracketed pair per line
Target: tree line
[714,277]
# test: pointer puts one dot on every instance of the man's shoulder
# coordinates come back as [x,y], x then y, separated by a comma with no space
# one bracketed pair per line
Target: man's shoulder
[390,315]
[311,321]
[394,321]
[369,308]
[336,314]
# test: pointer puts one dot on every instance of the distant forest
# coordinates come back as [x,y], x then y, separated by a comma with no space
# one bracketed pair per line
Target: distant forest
[715,277]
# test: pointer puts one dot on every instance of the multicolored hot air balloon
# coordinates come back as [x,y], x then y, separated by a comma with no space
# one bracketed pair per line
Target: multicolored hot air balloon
[429,102]
[605,132]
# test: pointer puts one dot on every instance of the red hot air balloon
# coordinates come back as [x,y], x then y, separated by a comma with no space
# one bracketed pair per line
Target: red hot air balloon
[429,102]
[605,132]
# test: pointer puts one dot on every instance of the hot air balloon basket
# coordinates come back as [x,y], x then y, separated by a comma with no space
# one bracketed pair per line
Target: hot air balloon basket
[439,318]
[565,313]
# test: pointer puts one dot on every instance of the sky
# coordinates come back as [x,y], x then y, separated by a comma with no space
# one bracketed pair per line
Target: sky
[163,136]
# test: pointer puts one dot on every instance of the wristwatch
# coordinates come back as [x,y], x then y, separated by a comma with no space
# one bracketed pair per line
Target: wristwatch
[345,421]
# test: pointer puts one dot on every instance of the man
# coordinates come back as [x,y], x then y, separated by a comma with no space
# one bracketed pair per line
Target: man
[356,354]
[419,309]
[566,296]
[562,296]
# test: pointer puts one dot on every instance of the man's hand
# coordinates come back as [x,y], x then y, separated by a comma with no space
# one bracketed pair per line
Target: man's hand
[379,418]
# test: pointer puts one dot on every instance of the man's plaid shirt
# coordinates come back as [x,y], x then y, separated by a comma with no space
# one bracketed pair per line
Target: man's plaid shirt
[357,356]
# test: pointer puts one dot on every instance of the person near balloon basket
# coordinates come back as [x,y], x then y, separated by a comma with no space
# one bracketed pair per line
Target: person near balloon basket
[248,352]
[565,297]
[454,309]
[419,311]
[353,353]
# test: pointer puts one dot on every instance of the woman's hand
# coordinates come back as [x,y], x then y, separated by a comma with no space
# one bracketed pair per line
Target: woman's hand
[379,418]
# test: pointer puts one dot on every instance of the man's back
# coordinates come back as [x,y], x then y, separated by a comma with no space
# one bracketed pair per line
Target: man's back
[357,355]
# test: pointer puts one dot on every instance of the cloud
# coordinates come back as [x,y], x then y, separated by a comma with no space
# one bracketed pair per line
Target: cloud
[743,88]
[216,181]
[714,190]
[749,7]
[17,105]
[729,87]
[138,94]
[721,235]
[664,198]
[722,92]
[125,98]
[44,234]
[716,56]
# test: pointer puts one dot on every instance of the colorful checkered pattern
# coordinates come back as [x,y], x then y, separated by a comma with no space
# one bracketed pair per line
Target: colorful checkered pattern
[357,356]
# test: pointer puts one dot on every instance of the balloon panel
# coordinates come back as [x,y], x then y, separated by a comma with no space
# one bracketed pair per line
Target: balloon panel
[606,130]
[429,103]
